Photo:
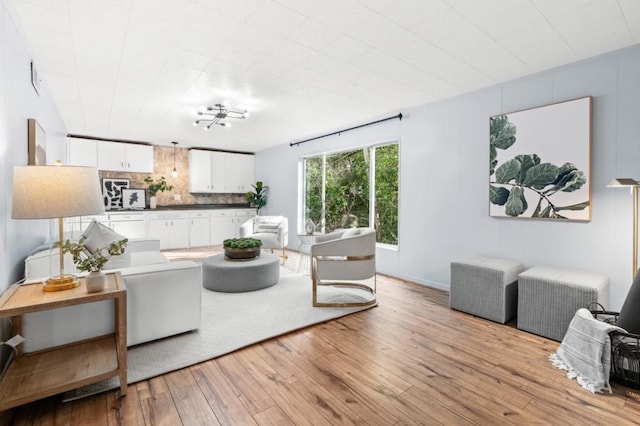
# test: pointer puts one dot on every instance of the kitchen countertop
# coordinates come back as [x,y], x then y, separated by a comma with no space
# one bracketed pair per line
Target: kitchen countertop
[185,207]
[203,206]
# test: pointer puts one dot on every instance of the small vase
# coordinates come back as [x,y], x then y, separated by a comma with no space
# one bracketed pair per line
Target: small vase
[95,281]
[153,203]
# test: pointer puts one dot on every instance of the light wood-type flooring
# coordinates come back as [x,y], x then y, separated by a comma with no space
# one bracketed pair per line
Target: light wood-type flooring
[408,361]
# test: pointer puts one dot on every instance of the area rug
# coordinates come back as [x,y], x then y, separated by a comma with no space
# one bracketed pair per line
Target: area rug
[230,321]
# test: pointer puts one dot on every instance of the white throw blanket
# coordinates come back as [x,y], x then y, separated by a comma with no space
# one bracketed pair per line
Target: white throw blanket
[585,352]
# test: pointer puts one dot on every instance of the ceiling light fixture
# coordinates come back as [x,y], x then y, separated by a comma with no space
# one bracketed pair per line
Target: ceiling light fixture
[174,173]
[215,115]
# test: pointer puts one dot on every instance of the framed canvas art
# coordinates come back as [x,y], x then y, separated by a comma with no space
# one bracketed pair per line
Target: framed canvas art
[133,198]
[540,162]
[112,192]
[37,143]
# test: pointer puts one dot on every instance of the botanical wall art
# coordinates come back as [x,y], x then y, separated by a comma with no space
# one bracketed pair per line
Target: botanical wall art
[540,162]
[112,192]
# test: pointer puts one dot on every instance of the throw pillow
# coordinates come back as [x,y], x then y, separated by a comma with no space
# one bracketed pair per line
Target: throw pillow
[266,225]
[97,236]
[351,232]
[629,317]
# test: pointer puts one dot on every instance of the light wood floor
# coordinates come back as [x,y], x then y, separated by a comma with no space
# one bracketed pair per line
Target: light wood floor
[410,360]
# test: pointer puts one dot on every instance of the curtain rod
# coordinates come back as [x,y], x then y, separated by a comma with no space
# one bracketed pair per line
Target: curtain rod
[97,138]
[399,117]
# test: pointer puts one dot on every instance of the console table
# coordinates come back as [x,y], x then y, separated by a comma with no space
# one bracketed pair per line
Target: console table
[41,374]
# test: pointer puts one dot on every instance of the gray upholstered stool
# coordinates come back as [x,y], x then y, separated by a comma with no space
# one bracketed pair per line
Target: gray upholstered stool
[230,276]
[485,286]
[548,298]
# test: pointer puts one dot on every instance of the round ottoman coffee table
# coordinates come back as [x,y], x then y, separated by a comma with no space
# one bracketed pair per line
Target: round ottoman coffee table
[231,276]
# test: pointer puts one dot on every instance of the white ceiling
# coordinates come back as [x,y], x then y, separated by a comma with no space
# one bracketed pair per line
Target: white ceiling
[139,69]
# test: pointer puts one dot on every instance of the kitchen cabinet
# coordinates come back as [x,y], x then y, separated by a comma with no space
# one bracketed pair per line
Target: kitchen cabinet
[200,171]
[220,172]
[171,228]
[226,223]
[240,173]
[82,152]
[125,157]
[174,228]
[130,225]
[199,225]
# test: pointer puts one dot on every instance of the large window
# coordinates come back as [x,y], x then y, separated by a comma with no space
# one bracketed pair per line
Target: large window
[354,188]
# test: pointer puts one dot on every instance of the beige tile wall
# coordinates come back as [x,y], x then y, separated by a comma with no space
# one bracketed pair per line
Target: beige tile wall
[163,166]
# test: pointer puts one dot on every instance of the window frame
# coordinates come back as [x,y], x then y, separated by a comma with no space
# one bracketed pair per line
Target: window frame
[372,187]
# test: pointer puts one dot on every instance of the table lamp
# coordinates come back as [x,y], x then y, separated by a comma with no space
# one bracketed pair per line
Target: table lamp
[633,184]
[46,192]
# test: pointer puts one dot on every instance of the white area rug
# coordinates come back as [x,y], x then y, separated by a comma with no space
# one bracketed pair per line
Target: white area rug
[230,321]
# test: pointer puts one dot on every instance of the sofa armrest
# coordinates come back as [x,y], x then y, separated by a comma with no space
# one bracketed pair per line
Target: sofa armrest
[136,245]
[163,300]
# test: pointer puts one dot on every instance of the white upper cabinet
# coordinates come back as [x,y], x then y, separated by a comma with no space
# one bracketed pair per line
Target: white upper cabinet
[220,172]
[125,157]
[200,171]
[82,152]
[246,172]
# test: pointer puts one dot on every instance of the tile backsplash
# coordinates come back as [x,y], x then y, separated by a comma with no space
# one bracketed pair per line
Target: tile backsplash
[163,166]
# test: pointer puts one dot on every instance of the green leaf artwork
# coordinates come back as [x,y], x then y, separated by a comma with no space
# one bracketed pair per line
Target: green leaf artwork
[527,174]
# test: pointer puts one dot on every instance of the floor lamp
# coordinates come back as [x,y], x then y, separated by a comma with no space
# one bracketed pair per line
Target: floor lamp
[634,185]
[47,192]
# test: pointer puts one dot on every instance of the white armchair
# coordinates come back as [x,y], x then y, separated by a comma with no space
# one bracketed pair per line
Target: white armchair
[273,231]
[350,257]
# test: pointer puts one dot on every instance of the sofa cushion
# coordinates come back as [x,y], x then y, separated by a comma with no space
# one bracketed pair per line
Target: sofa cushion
[266,225]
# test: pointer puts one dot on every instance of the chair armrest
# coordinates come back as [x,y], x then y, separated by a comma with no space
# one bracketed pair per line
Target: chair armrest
[283,231]
[246,228]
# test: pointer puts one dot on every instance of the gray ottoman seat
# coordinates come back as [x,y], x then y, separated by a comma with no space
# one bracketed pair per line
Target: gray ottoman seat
[230,276]
[549,296]
[485,286]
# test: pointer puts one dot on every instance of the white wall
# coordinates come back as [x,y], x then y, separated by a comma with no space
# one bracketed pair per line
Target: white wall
[444,181]
[20,102]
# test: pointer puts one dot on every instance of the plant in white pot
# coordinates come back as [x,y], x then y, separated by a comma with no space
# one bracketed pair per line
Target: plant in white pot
[155,186]
[92,262]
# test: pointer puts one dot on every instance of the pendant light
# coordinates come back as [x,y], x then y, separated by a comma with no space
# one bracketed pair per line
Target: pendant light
[174,173]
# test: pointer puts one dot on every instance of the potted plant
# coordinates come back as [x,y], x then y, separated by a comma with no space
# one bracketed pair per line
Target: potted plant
[155,186]
[241,248]
[258,197]
[92,262]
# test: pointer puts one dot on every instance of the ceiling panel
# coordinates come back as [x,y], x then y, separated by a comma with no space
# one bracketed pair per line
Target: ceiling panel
[139,69]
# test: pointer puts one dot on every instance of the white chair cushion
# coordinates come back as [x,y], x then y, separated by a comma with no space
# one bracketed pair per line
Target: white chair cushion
[351,232]
[266,225]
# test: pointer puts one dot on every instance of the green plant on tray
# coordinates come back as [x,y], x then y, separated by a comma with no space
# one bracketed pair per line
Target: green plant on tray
[242,243]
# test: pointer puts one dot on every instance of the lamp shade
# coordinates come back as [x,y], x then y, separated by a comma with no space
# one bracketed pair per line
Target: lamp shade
[45,192]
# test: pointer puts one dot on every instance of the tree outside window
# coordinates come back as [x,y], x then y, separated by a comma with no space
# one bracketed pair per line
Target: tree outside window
[356,188]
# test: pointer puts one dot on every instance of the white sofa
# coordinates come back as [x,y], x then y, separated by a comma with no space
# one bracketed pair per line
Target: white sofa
[163,299]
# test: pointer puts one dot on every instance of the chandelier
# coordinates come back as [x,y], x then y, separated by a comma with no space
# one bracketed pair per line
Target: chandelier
[215,115]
